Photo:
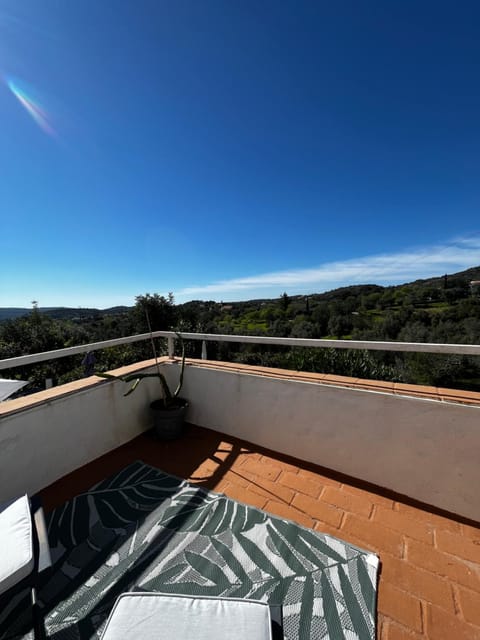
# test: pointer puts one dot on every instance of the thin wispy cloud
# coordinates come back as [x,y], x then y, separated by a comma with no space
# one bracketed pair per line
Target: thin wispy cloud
[384,269]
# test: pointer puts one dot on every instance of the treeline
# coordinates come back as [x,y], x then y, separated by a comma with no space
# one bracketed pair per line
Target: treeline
[443,310]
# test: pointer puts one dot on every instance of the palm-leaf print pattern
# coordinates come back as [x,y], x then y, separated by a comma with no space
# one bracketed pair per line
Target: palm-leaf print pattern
[144,528]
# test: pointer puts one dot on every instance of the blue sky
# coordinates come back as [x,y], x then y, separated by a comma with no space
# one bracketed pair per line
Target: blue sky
[231,150]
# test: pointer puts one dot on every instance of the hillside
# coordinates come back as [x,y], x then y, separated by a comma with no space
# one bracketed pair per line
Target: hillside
[62,313]
[462,279]
[442,309]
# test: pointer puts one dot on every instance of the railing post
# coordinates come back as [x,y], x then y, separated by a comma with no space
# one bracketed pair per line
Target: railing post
[204,350]
[171,347]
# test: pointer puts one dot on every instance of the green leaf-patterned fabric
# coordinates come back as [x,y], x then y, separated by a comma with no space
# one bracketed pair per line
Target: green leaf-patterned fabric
[145,528]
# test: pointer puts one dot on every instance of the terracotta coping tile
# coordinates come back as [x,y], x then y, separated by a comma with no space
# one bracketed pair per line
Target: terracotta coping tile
[433,393]
[397,388]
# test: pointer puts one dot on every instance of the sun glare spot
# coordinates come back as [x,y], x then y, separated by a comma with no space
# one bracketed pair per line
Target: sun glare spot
[31,106]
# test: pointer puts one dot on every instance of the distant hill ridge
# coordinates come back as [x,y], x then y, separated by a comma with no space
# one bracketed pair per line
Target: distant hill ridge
[62,313]
[72,313]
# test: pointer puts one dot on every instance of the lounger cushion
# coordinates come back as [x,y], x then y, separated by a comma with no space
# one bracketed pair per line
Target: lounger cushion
[16,543]
[154,616]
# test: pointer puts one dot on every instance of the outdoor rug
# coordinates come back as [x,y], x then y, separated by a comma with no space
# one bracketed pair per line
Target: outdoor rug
[145,528]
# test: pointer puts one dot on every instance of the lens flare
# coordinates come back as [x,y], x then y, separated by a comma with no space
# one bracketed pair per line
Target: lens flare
[31,106]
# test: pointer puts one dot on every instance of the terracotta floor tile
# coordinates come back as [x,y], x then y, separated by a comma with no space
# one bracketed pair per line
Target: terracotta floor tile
[223,451]
[248,497]
[469,605]
[443,626]
[350,502]
[236,477]
[262,469]
[286,466]
[285,511]
[404,523]
[383,538]
[205,470]
[382,628]
[387,503]
[436,521]
[301,484]
[318,509]
[400,606]
[442,564]
[425,585]
[458,545]
[424,580]
[471,532]
[321,527]
[398,632]
[317,477]
[272,490]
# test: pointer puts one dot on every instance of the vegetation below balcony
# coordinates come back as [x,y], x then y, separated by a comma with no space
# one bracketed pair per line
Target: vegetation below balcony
[439,310]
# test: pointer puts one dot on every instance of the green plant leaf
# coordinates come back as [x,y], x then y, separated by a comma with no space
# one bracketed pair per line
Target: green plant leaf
[180,381]
[108,376]
[133,387]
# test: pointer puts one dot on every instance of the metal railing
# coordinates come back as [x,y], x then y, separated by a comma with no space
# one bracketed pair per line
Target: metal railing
[415,347]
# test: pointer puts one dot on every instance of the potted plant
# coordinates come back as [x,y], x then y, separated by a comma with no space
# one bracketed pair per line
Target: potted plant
[169,410]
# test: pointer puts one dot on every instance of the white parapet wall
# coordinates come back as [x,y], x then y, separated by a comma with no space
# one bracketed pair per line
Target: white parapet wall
[49,434]
[425,449]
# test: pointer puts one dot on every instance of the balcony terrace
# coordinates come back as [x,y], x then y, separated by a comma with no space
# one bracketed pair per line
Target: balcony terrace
[391,468]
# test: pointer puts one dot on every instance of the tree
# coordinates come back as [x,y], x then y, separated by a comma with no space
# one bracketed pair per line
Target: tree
[339,325]
[160,310]
[284,301]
